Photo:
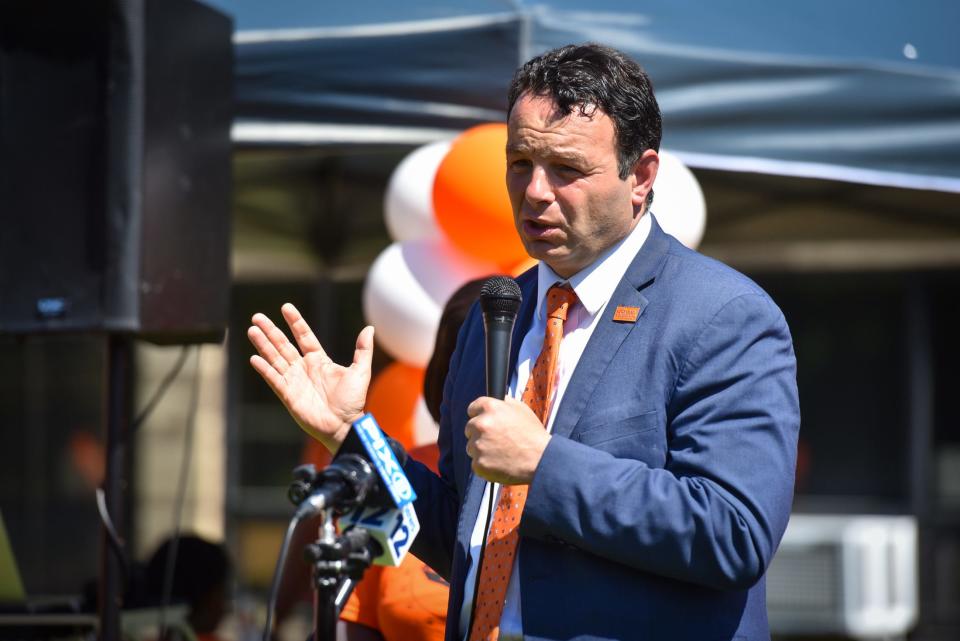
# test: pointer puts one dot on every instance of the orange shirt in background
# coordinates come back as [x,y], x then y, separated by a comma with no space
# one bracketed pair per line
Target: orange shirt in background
[405,603]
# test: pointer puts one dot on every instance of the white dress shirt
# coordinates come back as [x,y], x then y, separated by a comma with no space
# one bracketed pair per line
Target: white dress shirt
[594,286]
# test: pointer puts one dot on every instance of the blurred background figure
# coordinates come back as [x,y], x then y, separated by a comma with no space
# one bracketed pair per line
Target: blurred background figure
[199,578]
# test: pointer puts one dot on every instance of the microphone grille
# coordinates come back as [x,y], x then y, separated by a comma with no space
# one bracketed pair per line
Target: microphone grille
[500,294]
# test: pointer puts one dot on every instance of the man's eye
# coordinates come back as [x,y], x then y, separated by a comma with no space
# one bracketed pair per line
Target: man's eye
[569,170]
[519,165]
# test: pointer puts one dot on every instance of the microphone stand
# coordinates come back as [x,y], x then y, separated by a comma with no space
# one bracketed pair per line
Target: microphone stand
[339,562]
[327,556]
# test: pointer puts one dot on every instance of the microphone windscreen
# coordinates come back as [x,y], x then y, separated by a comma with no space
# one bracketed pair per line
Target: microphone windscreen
[500,294]
[398,450]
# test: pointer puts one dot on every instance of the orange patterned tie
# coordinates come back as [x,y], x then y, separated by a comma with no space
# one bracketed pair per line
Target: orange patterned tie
[502,539]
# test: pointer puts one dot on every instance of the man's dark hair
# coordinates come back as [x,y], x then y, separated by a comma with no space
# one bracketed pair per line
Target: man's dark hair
[591,76]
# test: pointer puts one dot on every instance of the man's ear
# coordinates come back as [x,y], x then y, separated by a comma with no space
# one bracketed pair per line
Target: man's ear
[644,173]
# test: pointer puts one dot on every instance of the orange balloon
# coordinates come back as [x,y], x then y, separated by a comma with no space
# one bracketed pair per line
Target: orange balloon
[392,399]
[470,197]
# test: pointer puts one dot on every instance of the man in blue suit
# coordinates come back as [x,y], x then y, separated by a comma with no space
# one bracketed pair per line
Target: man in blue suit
[659,483]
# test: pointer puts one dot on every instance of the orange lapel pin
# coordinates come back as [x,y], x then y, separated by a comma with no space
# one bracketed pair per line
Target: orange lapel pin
[626,314]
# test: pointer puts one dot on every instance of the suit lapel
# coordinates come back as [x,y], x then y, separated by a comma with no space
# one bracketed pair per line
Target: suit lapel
[610,334]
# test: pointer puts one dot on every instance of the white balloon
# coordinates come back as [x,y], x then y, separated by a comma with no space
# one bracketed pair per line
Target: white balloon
[406,289]
[425,429]
[408,202]
[678,201]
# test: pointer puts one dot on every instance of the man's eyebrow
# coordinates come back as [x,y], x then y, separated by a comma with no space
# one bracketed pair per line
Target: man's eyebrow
[568,154]
[575,156]
[515,148]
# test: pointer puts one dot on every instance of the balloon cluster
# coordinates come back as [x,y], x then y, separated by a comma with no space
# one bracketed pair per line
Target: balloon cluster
[447,211]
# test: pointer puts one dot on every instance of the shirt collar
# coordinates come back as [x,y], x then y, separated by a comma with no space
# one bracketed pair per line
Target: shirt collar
[594,284]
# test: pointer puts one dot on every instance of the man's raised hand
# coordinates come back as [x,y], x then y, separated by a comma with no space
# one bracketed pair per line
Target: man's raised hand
[324,398]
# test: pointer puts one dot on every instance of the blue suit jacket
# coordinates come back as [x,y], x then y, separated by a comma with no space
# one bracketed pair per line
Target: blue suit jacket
[663,494]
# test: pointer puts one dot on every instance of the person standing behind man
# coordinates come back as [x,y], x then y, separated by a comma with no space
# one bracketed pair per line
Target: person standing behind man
[637,480]
[409,602]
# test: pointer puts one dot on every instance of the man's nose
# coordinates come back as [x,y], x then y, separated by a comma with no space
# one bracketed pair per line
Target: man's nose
[539,189]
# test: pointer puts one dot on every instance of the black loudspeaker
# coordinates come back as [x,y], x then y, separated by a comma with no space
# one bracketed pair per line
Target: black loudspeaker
[115,180]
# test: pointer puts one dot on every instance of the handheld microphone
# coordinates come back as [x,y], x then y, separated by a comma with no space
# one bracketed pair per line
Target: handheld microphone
[366,485]
[500,301]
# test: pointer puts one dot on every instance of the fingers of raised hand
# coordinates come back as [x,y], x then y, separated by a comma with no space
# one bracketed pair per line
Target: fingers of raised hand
[268,352]
[268,372]
[283,353]
[363,353]
[306,339]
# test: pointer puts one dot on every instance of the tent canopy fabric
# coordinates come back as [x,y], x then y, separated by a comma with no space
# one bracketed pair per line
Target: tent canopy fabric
[863,91]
